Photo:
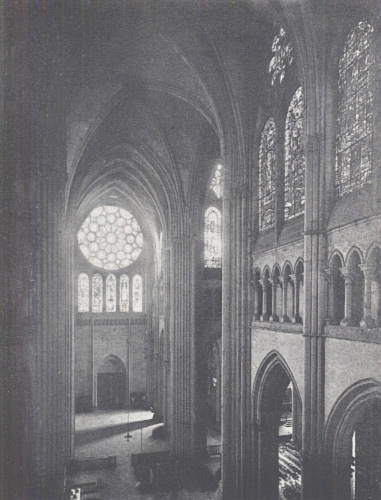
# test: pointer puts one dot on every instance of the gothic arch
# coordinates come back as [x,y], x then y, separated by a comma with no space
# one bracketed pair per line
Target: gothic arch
[374,247]
[272,361]
[335,253]
[286,265]
[266,273]
[348,414]
[270,385]
[352,251]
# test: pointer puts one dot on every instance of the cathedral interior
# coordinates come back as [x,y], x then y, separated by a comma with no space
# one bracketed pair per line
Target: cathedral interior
[190,214]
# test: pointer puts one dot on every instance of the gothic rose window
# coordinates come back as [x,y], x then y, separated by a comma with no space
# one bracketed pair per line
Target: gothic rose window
[137,293]
[97,282]
[216,184]
[212,238]
[267,170]
[110,238]
[83,293]
[354,131]
[124,293]
[294,158]
[282,57]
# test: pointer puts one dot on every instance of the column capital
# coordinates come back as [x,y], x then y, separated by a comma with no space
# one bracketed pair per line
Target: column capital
[255,284]
[283,280]
[265,282]
[369,270]
[348,274]
[328,274]
[295,278]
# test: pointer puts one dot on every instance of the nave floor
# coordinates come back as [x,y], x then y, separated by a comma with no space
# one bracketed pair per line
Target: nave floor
[102,433]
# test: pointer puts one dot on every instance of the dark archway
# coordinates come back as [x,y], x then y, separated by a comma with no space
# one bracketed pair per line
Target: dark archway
[277,429]
[352,444]
[111,384]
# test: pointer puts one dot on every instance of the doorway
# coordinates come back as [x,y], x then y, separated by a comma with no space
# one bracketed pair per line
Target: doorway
[111,384]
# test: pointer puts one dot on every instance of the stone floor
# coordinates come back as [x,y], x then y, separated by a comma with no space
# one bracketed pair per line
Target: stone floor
[102,433]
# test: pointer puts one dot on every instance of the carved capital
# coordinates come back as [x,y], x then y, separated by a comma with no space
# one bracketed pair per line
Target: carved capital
[348,274]
[369,270]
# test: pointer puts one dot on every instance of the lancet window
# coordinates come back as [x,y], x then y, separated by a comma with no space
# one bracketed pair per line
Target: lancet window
[83,293]
[212,238]
[267,171]
[216,185]
[137,293]
[354,131]
[124,293]
[283,57]
[294,157]
[97,295]
[111,293]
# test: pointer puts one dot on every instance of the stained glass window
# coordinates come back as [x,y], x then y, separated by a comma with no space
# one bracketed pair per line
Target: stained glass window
[83,293]
[110,238]
[267,170]
[124,293]
[137,293]
[354,131]
[282,57]
[294,158]
[97,305]
[212,238]
[111,293]
[216,184]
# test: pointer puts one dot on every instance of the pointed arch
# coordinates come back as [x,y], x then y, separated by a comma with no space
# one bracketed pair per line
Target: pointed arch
[358,407]
[352,255]
[272,380]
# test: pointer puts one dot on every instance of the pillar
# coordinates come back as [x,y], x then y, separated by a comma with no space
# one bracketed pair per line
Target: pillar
[349,277]
[369,275]
[274,283]
[265,284]
[296,318]
[284,318]
[184,440]
[257,291]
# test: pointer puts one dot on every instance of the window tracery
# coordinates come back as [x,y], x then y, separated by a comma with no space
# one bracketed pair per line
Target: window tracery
[212,238]
[124,293]
[294,157]
[354,133]
[137,293]
[83,293]
[111,293]
[267,170]
[110,238]
[97,295]
[283,57]
[216,184]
